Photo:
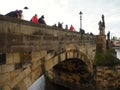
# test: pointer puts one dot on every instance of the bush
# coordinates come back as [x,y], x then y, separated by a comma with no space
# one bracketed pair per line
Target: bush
[106,59]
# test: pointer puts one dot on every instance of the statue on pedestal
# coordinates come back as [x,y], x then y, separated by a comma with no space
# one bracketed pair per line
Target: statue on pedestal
[102,26]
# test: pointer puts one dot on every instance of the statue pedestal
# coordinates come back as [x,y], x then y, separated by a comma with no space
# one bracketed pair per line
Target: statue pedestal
[101,43]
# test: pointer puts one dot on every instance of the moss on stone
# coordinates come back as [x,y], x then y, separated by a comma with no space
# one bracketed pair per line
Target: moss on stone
[106,59]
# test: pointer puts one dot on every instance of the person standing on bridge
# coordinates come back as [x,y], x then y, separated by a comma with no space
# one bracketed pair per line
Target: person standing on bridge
[41,20]
[20,15]
[72,28]
[34,19]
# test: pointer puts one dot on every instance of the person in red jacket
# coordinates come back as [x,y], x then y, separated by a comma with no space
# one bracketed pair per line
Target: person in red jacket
[72,28]
[34,19]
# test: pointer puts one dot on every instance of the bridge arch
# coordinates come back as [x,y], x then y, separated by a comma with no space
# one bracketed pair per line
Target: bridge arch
[53,60]
[69,68]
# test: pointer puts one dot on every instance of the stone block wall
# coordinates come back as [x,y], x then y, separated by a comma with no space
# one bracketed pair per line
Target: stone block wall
[24,44]
[107,77]
[20,70]
[101,43]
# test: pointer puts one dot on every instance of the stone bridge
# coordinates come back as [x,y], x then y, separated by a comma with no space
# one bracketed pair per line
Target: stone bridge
[29,50]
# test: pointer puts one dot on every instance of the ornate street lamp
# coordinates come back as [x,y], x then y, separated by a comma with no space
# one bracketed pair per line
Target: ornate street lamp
[80,20]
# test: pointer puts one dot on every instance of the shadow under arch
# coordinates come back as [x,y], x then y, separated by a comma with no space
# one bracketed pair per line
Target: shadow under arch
[70,69]
[66,55]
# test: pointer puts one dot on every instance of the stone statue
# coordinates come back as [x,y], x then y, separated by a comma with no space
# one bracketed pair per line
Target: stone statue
[108,35]
[102,26]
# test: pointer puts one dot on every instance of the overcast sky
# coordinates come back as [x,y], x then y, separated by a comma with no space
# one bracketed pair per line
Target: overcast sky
[67,11]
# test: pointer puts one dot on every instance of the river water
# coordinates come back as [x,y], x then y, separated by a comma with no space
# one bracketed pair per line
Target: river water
[40,84]
[118,52]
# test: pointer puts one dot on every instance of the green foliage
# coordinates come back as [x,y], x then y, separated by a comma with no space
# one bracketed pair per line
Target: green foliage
[106,59]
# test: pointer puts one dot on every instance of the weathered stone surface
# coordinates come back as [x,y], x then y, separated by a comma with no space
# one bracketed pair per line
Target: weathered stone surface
[117,67]
[63,56]
[28,81]
[12,58]
[40,45]
[4,78]
[69,54]
[101,43]
[20,76]
[20,86]
[36,64]
[16,57]
[36,73]
[9,58]
[14,74]
[6,88]
[55,60]
[38,55]
[107,77]
[13,83]
[75,55]
[50,55]
[7,68]
[27,71]
[0,70]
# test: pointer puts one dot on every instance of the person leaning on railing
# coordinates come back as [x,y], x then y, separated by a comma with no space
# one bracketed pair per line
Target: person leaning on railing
[15,14]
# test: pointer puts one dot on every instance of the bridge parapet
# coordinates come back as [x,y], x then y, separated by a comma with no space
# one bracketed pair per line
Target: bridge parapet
[19,35]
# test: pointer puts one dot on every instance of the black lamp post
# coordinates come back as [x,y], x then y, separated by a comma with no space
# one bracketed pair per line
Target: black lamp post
[80,20]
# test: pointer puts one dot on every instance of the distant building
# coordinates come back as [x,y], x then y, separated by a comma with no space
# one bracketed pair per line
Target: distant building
[116,43]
